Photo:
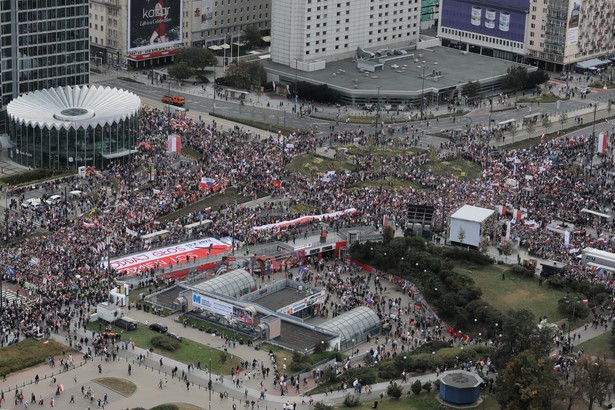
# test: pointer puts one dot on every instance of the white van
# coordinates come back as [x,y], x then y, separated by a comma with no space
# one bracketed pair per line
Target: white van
[54,199]
[32,203]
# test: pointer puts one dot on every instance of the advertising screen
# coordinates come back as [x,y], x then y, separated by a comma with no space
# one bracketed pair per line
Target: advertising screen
[154,23]
[202,13]
[503,19]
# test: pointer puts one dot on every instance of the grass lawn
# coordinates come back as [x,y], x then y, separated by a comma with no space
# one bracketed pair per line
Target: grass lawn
[598,346]
[545,98]
[27,353]
[424,401]
[279,352]
[302,209]
[457,168]
[515,292]
[214,202]
[176,406]
[188,352]
[121,386]
[393,183]
[315,164]
[382,152]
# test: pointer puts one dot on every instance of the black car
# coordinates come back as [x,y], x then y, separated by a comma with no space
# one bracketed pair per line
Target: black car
[159,327]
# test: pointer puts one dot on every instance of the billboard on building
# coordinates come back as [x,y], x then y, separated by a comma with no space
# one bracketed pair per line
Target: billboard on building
[154,24]
[574,16]
[503,19]
[202,14]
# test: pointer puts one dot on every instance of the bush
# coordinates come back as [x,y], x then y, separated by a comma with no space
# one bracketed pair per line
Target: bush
[351,401]
[522,271]
[33,175]
[468,255]
[365,375]
[416,387]
[165,342]
[427,386]
[322,406]
[165,407]
[394,391]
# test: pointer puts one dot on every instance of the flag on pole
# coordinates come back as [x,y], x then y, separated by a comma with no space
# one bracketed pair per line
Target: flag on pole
[543,137]
[602,143]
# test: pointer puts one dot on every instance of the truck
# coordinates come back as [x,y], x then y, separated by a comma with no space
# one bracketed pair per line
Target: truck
[108,312]
[177,100]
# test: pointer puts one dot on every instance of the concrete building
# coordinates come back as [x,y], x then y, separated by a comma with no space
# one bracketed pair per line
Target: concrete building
[119,32]
[562,33]
[555,35]
[44,44]
[309,33]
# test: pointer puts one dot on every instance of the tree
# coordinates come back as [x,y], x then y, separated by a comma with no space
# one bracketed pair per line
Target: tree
[516,78]
[529,127]
[427,386]
[513,131]
[197,58]
[507,249]
[546,122]
[527,382]
[520,332]
[471,89]
[245,74]
[394,391]
[416,387]
[461,235]
[388,234]
[563,117]
[536,78]
[596,378]
[181,71]
[251,35]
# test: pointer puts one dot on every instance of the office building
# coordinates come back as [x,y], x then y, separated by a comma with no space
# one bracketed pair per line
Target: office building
[44,44]
[571,34]
[129,32]
[308,33]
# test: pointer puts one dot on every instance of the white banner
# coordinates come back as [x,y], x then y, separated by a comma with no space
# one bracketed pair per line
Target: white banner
[305,219]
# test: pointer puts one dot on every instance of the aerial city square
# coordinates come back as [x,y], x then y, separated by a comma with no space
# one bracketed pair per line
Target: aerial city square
[307,204]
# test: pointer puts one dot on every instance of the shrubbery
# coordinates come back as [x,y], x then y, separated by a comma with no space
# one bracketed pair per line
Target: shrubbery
[165,342]
[351,401]
[522,271]
[394,391]
[32,176]
[416,387]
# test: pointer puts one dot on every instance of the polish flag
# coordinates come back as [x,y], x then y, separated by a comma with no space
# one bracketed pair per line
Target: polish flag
[174,143]
[602,143]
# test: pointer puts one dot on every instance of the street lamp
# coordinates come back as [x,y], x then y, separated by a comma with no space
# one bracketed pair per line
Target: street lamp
[574,302]
[377,114]
[209,382]
[296,84]
[423,66]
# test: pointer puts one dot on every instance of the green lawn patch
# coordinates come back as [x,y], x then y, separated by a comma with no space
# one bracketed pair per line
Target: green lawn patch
[27,353]
[392,183]
[202,324]
[121,386]
[191,153]
[544,98]
[302,208]
[458,168]
[382,152]
[514,292]
[189,351]
[214,202]
[310,164]
[598,346]
[424,401]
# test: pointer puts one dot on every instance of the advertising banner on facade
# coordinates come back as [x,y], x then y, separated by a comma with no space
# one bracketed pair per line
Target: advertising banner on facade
[212,305]
[202,14]
[503,19]
[574,15]
[154,24]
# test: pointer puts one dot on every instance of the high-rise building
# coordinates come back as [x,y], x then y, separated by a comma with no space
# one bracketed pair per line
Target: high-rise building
[554,35]
[563,33]
[145,33]
[328,30]
[44,45]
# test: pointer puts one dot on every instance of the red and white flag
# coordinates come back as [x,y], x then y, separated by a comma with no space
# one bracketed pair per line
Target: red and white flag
[602,143]
[174,143]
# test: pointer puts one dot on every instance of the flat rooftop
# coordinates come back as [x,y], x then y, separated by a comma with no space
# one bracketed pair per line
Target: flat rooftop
[281,298]
[456,67]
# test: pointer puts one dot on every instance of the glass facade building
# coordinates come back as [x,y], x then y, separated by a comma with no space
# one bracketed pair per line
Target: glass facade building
[44,44]
[66,127]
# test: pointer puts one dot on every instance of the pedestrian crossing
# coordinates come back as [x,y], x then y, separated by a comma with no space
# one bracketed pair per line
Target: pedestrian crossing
[10,296]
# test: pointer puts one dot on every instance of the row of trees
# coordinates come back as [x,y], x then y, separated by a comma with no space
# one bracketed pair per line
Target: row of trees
[521,354]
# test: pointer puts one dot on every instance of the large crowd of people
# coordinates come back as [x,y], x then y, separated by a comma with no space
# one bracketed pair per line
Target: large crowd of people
[56,252]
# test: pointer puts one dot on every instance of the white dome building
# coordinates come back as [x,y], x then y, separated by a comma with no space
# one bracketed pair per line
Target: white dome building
[66,127]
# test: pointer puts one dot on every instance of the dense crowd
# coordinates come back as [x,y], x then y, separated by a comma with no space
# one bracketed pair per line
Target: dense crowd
[62,267]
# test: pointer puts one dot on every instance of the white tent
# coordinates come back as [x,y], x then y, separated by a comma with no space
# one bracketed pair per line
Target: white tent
[466,225]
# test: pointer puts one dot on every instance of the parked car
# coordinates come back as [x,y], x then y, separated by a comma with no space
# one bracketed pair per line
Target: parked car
[126,323]
[159,327]
[32,203]
[54,199]
[175,336]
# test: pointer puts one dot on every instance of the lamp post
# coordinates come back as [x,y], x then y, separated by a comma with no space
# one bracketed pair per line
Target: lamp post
[423,67]
[209,382]
[296,83]
[377,114]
